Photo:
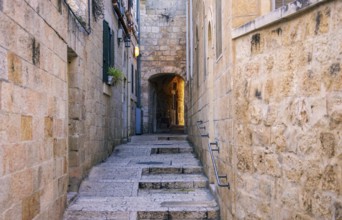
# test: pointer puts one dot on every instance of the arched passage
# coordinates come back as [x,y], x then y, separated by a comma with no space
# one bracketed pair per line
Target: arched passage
[166,103]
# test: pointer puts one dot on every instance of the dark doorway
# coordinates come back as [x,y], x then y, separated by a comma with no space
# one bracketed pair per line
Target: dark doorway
[166,103]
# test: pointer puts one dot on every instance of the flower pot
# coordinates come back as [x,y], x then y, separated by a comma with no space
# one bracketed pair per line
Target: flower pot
[110,80]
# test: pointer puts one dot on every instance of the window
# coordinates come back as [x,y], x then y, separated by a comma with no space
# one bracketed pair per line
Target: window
[218,28]
[80,10]
[108,50]
[279,3]
[132,79]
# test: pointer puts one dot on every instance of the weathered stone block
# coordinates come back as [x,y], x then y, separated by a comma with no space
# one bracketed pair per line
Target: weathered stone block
[26,128]
[245,160]
[31,206]
[14,69]
[21,185]
[267,163]
[15,158]
[331,178]
[328,144]
[14,212]
[59,147]
[48,129]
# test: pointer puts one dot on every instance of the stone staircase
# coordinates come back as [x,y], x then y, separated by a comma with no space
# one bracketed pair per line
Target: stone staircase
[152,177]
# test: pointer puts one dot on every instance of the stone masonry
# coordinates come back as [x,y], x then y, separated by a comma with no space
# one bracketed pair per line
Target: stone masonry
[163,44]
[57,117]
[272,101]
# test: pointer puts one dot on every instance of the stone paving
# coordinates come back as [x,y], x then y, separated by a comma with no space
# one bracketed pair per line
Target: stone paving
[152,177]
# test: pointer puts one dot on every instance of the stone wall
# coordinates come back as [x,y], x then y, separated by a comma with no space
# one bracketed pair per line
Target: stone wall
[163,44]
[57,117]
[272,101]
[287,96]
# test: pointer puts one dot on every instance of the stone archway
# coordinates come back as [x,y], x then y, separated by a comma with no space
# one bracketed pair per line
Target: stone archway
[166,103]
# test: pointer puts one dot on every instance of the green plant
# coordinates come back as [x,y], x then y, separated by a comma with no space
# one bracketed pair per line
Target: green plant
[116,74]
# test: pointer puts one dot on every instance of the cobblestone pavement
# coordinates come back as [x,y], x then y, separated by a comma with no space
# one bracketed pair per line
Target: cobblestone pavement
[152,177]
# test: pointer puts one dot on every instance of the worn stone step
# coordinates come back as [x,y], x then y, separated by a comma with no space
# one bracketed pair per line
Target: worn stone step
[180,215]
[172,170]
[97,215]
[108,188]
[149,178]
[173,181]
[190,195]
[152,138]
[171,150]
[147,207]
[114,173]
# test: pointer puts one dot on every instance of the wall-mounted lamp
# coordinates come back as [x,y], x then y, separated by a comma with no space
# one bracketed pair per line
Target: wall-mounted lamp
[136,51]
[120,35]
[127,42]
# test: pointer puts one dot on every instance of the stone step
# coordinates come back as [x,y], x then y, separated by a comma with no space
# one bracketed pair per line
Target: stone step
[171,150]
[153,177]
[173,181]
[172,170]
[165,206]
[153,138]
[180,215]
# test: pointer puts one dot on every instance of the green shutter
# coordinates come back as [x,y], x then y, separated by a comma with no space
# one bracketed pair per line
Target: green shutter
[112,49]
[106,50]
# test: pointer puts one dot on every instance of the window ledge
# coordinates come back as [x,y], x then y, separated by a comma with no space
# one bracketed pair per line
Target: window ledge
[107,89]
[277,15]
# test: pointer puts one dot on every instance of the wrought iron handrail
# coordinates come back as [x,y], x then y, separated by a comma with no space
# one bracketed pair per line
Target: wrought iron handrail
[211,150]
[218,177]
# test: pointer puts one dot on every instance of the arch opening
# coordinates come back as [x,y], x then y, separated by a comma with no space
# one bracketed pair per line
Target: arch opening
[166,103]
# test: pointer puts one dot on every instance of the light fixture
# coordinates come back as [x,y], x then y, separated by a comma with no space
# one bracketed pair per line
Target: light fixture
[120,34]
[127,42]
[136,51]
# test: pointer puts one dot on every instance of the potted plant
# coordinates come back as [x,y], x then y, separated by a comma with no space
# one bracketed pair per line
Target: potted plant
[114,75]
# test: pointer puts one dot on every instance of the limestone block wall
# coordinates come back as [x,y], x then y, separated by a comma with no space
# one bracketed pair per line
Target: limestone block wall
[287,101]
[57,118]
[163,43]
[272,102]
[210,96]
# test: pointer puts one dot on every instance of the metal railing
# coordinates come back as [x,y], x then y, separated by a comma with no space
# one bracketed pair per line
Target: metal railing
[218,177]
[211,150]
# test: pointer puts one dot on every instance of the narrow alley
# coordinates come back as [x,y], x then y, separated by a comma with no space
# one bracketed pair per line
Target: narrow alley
[171,109]
[152,177]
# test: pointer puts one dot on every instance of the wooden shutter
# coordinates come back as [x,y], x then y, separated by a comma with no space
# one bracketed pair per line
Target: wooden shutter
[106,50]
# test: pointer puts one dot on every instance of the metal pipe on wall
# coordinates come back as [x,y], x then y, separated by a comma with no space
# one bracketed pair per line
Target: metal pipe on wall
[191,41]
[187,40]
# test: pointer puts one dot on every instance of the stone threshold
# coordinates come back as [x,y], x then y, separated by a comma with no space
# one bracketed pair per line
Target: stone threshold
[290,10]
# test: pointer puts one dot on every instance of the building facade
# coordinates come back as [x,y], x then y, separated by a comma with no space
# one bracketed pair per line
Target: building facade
[265,87]
[163,62]
[59,115]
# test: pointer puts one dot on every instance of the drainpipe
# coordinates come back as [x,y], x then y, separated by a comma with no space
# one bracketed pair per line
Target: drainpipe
[139,57]
[139,112]
[191,41]
[187,40]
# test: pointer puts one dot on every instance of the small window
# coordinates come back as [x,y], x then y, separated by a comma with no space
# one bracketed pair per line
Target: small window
[80,10]
[218,28]
[280,3]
